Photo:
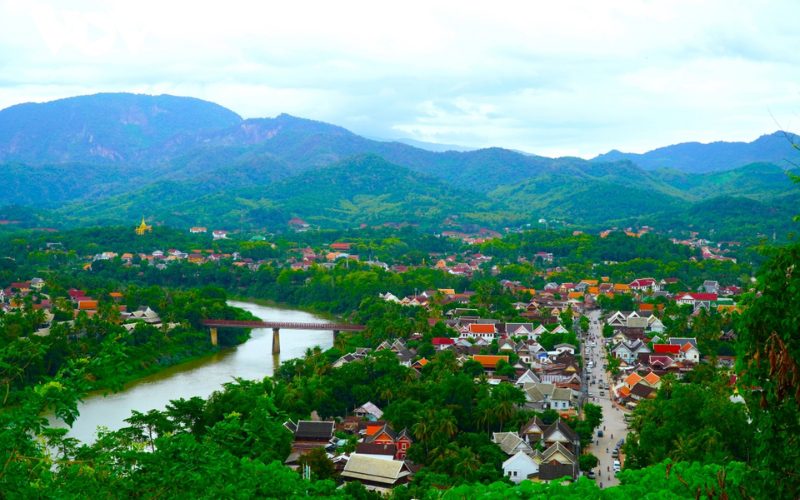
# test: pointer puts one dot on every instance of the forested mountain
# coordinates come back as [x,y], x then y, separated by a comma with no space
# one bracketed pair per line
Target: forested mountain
[103,128]
[695,157]
[113,158]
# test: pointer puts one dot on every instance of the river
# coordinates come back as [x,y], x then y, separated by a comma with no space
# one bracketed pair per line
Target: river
[251,360]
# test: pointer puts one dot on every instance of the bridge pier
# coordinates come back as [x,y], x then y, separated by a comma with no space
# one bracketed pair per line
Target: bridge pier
[276,341]
[214,335]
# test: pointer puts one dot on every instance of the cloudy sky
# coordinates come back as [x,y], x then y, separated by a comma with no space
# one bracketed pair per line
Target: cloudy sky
[553,78]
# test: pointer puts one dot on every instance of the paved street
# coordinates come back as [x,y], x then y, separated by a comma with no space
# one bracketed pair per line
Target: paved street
[613,426]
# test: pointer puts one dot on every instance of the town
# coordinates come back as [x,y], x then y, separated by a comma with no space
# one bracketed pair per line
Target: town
[578,356]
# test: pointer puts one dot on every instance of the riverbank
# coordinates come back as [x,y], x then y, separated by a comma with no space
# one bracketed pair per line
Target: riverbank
[200,377]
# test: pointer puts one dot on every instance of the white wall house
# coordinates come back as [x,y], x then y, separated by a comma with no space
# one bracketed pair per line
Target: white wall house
[519,467]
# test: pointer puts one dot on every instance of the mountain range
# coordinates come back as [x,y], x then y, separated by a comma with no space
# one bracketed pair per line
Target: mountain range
[113,158]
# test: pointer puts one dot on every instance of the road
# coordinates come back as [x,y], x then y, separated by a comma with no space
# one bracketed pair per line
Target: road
[613,425]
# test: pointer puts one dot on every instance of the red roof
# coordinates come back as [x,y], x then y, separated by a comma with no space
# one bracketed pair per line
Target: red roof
[698,296]
[442,341]
[642,282]
[340,246]
[666,349]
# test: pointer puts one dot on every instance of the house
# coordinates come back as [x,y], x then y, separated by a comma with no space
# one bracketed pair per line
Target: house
[219,234]
[385,435]
[696,300]
[561,348]
[340,247]
[376,473]
[689,352]
[557,462]
[654,324]
[533,431]
[368,411]
[668,349]
[309,434]
[519,330]
[644,285]
[710,286]
[298,224]
[511,443]
[561,399]
[441,343]
[521,466]
[198,229]
[642,391]
[376,450]
[617,319]
[560,433]
[527,378]
[628,351]
[479,330]
[489,361]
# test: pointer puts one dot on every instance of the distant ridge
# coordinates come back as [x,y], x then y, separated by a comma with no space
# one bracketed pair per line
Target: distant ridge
[697,157]
[111,158]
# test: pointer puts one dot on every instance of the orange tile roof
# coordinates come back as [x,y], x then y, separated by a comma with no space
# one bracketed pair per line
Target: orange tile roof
[574,295]
[652,379]
[624,392]
[423,361]
[116,295]
[489,360]
[594,290]
[621,287]
[633,379]
[481,328]
[373,428]
[590,282]
[87,304]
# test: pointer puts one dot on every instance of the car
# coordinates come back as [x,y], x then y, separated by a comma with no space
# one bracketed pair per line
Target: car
[615,453]
[617,466]
[602,393]
[590,474]
[599,434]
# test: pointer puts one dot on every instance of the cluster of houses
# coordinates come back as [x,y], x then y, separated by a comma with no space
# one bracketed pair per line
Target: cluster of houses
[549,379]
[13,297]
[527,461]
[536,452]
[379,459]
[161,259]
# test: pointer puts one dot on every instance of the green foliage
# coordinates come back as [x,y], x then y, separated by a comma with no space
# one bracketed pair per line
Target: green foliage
[683,423]
[769,356]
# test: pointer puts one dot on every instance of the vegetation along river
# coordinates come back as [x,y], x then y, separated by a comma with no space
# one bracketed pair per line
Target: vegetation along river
[251,360]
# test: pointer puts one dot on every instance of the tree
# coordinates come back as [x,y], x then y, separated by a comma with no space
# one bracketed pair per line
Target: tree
[769,360]
[321,466]
[587,462]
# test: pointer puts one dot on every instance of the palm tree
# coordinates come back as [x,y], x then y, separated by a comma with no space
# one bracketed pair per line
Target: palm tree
[446,424]
[422,431]
[467,464]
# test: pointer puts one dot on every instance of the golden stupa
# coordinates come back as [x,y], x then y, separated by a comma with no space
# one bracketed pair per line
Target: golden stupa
[143,228]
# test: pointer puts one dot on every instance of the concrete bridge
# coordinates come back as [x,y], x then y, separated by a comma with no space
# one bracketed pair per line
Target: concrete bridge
[276,326]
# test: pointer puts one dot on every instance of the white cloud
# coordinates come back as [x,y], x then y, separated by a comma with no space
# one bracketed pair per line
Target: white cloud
[571,77]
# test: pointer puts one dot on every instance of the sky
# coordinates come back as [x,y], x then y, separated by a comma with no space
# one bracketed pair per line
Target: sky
[552,78]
